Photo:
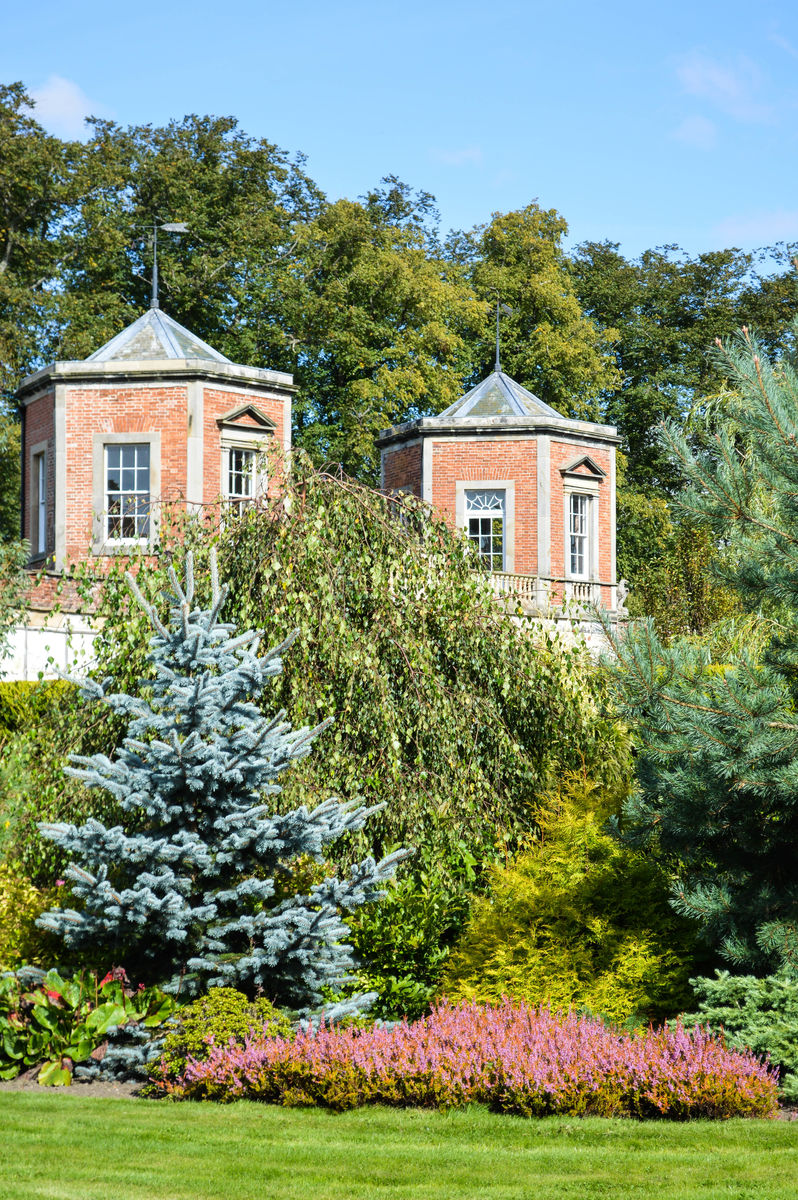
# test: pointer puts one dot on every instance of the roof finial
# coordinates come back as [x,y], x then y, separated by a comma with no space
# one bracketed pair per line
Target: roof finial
[154,298]
[504,308]
[168,227]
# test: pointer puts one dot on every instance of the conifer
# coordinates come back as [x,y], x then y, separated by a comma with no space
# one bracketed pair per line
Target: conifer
[189,894]
[718,763]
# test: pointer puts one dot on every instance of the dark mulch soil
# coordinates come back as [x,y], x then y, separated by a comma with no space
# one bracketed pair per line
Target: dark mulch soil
[26,1082]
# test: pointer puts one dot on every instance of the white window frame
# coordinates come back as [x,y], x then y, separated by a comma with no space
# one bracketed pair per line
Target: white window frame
[41,502]
[39,464]
[490,485]
[252,442]
[124,495]
[589,492]
[579,516]
[493,508]
[102,543]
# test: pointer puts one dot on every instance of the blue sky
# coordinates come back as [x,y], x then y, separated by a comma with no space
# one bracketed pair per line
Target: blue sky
[645,124]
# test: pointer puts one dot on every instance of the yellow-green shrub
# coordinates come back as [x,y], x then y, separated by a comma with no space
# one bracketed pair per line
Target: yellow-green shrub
[20,904]
[579,921]
[222,1014]
[41,724]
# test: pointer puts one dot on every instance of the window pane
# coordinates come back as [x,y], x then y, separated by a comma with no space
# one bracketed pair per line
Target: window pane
[127,491]
[241,474]
[578,525]
[485,500]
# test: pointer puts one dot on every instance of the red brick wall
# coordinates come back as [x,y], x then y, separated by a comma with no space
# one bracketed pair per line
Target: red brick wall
[562,454]
[474,459]
[402,469]
[48,591]
[119,409]
[40,427]
[217,404]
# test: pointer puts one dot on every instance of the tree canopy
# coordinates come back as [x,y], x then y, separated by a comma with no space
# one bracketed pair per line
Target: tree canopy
[715,718]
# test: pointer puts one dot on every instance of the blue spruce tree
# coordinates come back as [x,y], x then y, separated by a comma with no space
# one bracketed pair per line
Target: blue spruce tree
[188,898]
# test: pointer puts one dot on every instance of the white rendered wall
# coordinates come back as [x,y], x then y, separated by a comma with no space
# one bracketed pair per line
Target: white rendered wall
[44,650]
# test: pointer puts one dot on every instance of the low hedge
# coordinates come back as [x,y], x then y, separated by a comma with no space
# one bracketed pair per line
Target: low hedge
[512,1057]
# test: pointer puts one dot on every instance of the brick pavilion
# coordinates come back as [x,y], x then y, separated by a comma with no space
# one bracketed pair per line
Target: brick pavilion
[533,491]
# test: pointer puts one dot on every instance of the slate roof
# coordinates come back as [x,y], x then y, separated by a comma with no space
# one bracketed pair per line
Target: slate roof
[155,336]
[498,396]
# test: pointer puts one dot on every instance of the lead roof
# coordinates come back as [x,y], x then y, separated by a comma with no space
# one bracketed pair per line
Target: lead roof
[498,396]
[155,336]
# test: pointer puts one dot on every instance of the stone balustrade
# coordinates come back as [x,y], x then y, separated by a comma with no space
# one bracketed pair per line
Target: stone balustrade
[543,593]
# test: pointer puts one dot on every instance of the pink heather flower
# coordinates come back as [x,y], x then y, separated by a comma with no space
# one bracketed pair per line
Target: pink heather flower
[512,1057]
[60,882]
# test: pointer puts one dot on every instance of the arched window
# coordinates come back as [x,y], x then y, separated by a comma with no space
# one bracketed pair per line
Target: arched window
[486,511]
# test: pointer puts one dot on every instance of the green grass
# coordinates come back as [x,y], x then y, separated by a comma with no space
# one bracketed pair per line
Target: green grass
[70,1147]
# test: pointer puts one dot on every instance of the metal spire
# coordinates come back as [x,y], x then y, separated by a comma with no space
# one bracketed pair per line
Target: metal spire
[168,227]
[504,308]
[154,298]
[498,366]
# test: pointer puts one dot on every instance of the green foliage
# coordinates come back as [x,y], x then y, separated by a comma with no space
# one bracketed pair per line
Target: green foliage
[40,724]
[15,705]
[13,584]
[445,711]
[20,905]
[222,1015]
[753,1014]
[679,589]
[577,921]
[9,477]
[548,343]
[404,941]
[224,279]
[644,532]
[34,189]
[381,322]
[61,1022]
[664,311]
[718,761]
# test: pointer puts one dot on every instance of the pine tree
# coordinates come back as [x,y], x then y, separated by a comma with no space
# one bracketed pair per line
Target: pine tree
[716,717]
[190,897]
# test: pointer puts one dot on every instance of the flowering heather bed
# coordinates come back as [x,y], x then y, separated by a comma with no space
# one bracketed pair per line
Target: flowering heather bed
[512,1057]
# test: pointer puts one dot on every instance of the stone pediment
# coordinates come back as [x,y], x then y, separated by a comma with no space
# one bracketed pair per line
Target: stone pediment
[585,467]
[246,416]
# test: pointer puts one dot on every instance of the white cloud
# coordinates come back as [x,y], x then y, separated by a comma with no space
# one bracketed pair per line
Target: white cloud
[62,107]
[732,90]
[467,156]
[760,229]
[784,44]
[698,132]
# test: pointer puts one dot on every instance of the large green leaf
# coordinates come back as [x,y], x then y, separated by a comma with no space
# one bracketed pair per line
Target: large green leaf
[80,1049]
[105,1016]
[53,1074]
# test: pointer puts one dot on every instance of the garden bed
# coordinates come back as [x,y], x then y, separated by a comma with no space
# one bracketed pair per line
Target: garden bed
[512,1057]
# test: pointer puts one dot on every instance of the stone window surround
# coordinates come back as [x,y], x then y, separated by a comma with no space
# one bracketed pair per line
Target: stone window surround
[582,485]
[99,543]
[35,450]
[493,485]
[247,438]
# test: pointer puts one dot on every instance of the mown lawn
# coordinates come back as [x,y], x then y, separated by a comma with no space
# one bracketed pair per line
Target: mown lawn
[70,1147]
